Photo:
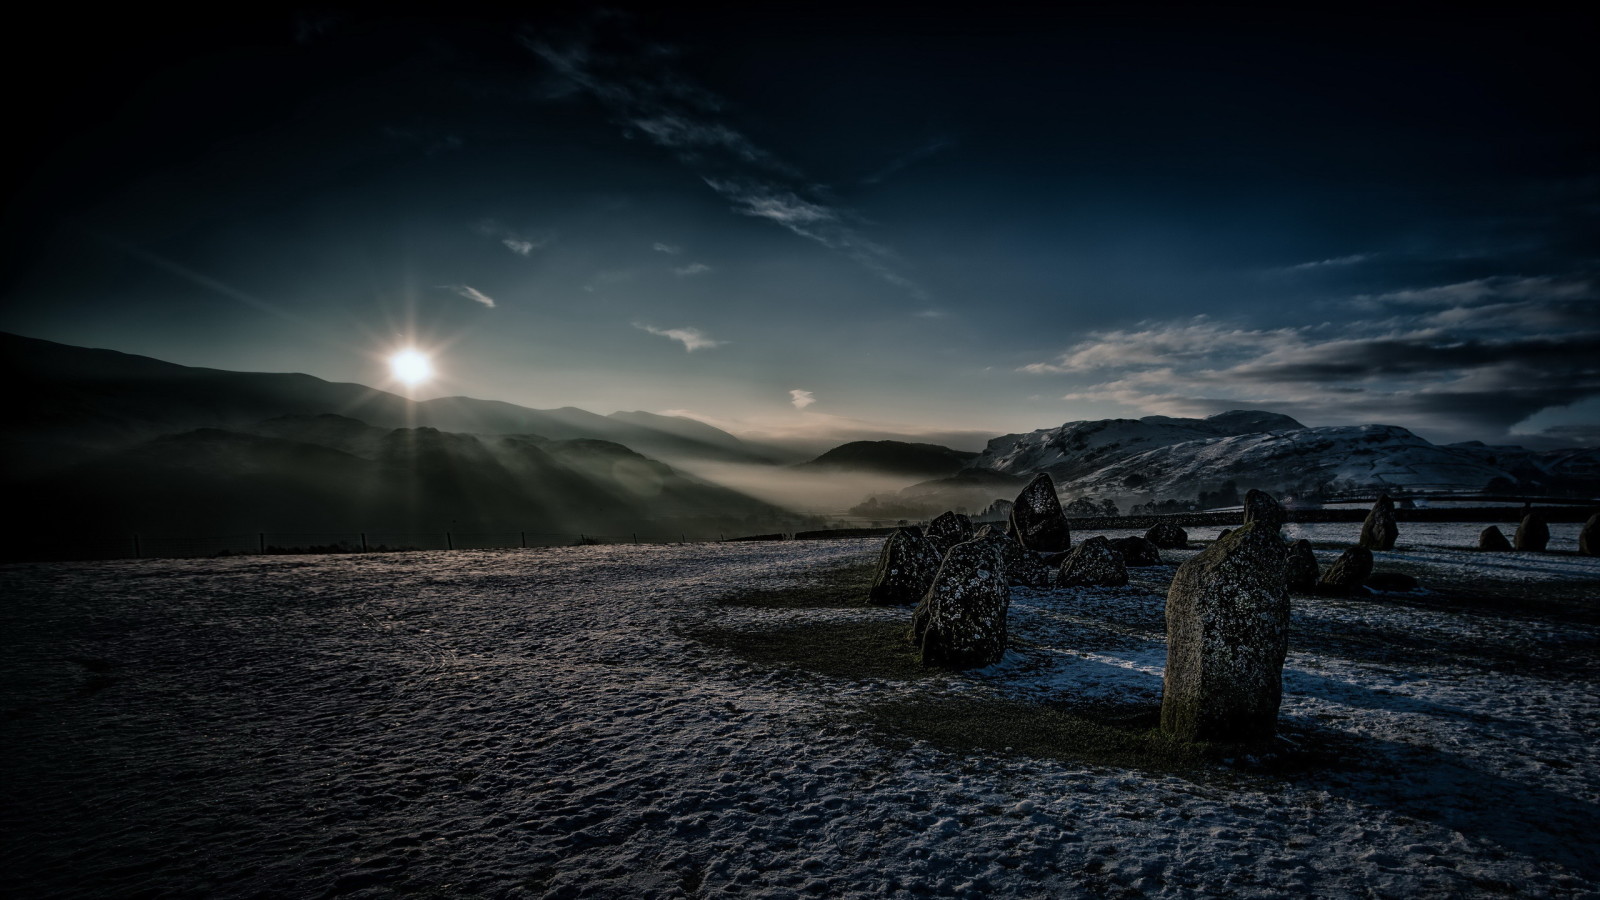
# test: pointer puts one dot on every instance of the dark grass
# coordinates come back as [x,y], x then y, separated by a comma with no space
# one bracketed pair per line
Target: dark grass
[842,587]
[854,650]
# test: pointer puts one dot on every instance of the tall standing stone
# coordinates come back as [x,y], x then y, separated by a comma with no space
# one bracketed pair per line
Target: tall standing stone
[1300,566]
[1260,506]
[906,567]
[1493,539]
[1348,573]
[1589,537]
[1167,536]
[1227,635]
[1380,530]
[1533,534]
[1021,567]
[1037,517]
[961,622]
[946,531]
[1093,563]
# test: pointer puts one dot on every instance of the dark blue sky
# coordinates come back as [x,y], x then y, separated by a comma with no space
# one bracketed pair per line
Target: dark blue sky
[919,222]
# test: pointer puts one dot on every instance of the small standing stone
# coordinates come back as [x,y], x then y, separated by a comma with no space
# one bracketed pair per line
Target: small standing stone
[1492,538]
[1260,506]
[1227,635]
[949,529]
[1301,570]
[1589,537]
[1037,517]
[1348,573]
[1533,534]
[961,623]
[1093,563]
[1022,567]
[906,567]
[1380,530]
[1137,551]
[1167,536]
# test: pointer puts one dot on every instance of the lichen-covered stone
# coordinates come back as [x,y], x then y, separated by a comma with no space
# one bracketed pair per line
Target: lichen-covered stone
[961,622]
[1223,533]
[1589,537]
[1300,566]
[1533,534]
[1227,634]
[1136,551]
[1093,563]
[946,531]
[906,567]
[1021,566]
[1260,506]
[1348,573]
[1167,536]
[1380,530]
[1037,517]
[1493,539]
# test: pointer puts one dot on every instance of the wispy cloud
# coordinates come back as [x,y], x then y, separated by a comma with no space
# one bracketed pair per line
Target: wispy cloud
[930,314]
[1479,290]
[516,242]
[915,155]
[1335,262]
[692,269]
[801,399]
[471,293]
[692,339]
[669,249]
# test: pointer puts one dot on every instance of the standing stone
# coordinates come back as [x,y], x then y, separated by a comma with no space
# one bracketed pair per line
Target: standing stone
[946,531]
[1223,533]
[1260,506]
[1492,538]
[1137,551]
[1380,530]
[1227,635]
[1533,534]
[961,622]
[1093,563]
[1021,567]
[1037,517]
[1300,566]
[1348,573]
[1167,536]
[906,567]
[1589,537]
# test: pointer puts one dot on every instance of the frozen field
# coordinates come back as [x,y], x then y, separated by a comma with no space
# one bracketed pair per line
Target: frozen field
[558,723]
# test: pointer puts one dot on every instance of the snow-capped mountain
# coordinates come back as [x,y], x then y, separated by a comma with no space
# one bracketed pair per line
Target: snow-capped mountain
[1079,449]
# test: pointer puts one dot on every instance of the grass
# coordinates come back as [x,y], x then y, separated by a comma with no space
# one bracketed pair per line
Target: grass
[843,587]
[854,650]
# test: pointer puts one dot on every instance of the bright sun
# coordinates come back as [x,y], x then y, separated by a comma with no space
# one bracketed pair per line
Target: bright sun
[411,366]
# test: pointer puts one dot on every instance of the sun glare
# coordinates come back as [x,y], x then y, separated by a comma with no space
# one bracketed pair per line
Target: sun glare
[411,366]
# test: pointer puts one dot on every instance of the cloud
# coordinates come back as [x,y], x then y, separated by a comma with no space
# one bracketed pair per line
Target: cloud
[668,249]
[1336,262]
[471,293]
[520,244]
[1541,288]
[692,269]
[930,314]
[801,399]
[692,338]
[915,155]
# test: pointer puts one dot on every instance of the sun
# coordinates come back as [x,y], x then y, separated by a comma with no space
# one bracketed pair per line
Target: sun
[411,366]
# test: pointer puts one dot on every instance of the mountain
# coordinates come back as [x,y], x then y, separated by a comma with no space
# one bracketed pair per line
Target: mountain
[71,402]
[892,458]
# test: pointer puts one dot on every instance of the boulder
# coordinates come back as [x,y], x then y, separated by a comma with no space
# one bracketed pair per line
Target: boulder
[1137,551]
[1392,582]
[1348,573]
[1380,530]
[946,531]
[1093,563]
[1223,533]
[1260,506]
[906,567]
[1021,566]
[1167,536]
[1300,566]
[1533,534]
[1589,537]
[1492,538]
[1037,517]
[1227,635]
[961,622]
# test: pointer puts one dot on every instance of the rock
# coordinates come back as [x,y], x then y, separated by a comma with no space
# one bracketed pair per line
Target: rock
[906,567]
[1223,533]
[1260,506]
[1167,536]
[1021,566]
[1300,566]
[1533,534]
[1392,582]
[961,622]
[1137,551]
[1589,537]
[1227,635]
[1348,573]
[948,530]
[1492,538]
[1380,530]
[1037,517]
[1093,563]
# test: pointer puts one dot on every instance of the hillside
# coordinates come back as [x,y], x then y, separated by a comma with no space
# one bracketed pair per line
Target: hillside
[892,458]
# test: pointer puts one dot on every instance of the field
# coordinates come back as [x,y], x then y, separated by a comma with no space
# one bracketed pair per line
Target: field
[728,720]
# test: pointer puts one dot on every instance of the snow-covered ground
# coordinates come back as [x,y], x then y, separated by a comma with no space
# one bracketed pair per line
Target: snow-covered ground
[543,723]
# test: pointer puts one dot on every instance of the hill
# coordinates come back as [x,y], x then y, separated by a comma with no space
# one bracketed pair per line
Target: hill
[892,458]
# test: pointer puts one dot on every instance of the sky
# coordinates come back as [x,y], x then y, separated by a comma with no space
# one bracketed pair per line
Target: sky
[852,220]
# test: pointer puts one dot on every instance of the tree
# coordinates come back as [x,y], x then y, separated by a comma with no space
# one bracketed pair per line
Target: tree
[1108,507]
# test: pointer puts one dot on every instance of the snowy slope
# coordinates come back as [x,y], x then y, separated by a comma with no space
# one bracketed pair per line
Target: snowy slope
[1079,448]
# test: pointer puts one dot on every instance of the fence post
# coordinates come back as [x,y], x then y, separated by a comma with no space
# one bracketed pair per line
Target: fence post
[363,542]
[683,538]
[524,539]
[449,544]
[636,537]
[136,553]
